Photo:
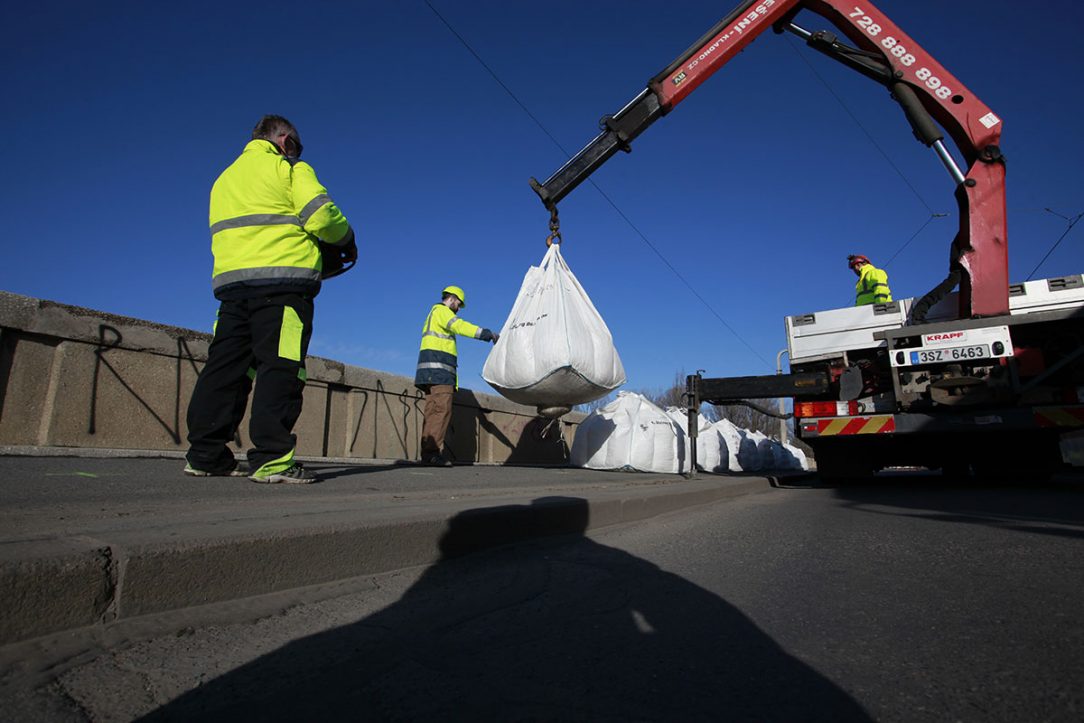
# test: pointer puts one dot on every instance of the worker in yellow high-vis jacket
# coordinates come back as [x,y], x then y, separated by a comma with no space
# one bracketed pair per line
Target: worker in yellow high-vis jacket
[872,285]
[437,370]
[268,214]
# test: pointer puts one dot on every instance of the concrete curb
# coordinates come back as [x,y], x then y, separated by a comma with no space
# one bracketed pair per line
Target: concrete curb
[59,585]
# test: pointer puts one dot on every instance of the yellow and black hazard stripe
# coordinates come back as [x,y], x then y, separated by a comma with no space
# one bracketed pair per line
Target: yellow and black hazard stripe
[1059,416]
[879,424]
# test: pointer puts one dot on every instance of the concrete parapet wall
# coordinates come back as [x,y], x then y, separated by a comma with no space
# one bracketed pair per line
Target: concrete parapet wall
[75,377]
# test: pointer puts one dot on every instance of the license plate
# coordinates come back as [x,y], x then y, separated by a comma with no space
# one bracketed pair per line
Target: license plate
[956,353]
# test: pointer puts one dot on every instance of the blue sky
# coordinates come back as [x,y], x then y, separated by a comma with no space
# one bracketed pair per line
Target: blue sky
[119,116]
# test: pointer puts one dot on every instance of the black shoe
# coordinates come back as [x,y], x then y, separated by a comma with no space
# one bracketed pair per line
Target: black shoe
[239,469]
[436,460]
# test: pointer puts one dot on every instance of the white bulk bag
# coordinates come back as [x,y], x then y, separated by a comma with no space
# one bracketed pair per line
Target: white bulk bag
[711,447]
[630,433]
[784,457]
[555,350]
[764,450]
[781,459]
[752,449]
[735,438]
[798,460]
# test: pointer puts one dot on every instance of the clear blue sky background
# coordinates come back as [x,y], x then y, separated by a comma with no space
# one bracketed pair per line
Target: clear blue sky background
[119,115]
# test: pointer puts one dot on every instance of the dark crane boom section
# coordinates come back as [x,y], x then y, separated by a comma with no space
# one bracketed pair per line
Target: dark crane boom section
[928,94]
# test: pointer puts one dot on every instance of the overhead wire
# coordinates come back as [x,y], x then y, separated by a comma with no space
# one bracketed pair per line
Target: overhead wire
[495,77]
[880,150]
[678,274]
[643,237]
[1072,222]
[858,123]
[912,238]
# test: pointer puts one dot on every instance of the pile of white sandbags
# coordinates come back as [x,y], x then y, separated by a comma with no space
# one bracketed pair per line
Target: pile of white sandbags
[554,351]
[633,433]
[756,452]
[630,433]
[712,453]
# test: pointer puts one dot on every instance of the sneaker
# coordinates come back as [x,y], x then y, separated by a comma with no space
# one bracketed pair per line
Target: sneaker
[239,469]
[296,475]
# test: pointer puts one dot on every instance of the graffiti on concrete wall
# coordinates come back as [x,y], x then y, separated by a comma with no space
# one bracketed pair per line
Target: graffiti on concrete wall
[109,340]
[388,428]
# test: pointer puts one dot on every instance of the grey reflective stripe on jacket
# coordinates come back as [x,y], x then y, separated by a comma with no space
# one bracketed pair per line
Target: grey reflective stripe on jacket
[255,219]
[878,290]
[312,207]
[438,335]
[453,321]
[284,274]
[437,365]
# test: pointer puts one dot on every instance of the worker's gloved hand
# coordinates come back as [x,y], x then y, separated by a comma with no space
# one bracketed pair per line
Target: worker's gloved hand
[338,259]
[487,335]
[349,252]
[348,247]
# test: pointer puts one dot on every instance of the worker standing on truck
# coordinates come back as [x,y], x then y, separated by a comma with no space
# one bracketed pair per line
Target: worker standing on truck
[267,214]
[437,363]
[872,286]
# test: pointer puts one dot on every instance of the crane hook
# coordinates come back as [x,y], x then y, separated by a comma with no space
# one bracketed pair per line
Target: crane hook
[555,226]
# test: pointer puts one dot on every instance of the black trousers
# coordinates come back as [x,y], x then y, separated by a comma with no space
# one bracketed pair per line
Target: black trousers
[269,334]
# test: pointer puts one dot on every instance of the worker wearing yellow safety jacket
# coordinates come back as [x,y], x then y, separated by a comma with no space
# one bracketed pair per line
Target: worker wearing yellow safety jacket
[268,215]
[872,285]
[437,368]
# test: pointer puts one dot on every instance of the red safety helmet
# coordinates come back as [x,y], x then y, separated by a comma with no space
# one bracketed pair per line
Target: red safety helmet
[854,260]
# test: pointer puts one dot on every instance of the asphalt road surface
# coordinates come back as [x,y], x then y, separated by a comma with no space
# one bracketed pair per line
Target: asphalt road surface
[908,599]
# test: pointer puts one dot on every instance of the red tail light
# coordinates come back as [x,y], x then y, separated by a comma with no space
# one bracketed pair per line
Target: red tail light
[825,409]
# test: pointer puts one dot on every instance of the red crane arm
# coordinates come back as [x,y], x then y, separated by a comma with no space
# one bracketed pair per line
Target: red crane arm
[883,52]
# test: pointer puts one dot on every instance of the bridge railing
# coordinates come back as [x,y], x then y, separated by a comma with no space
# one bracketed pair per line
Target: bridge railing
[75,377]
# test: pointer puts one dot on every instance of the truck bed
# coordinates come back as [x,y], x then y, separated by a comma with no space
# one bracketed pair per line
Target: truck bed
[828,334]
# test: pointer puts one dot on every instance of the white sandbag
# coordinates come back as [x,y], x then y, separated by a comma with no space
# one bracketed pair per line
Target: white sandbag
[555,351]
[711,447]
[732,437]
[778,458]
[798,460]
[764,450]
[712,453]
[681,416]
[749,451]
[630,433]
[785,457]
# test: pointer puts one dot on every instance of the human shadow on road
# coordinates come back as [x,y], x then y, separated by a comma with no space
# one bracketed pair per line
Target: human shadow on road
[560,630]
